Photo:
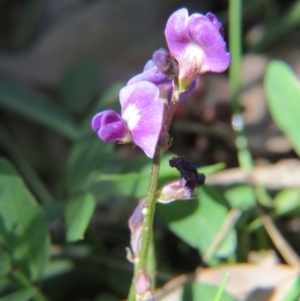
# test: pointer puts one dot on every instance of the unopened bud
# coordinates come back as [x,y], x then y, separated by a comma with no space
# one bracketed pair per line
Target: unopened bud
[136,228]
[165,63]
[143,287]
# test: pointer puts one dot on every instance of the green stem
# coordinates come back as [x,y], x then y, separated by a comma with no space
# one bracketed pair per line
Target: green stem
[148,212]
[235,49]
[149,209]
[151,263]
[18,277]
[235,33]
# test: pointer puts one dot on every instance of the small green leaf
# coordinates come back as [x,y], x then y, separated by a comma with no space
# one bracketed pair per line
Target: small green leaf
[5,263]
[241,196]
[79,84]
[197,222]
[287,201]
[20,295]
[220,291]
[283,96]
[23,226]
[78,214]
[34,106]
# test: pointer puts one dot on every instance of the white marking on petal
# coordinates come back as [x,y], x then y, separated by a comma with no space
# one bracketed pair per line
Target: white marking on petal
[194,52]
[131,116]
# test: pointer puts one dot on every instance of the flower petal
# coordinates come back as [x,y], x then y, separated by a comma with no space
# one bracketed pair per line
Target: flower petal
[175,32]
[150,74]
[207,36]
[143,111]
[147,131]
[190,90]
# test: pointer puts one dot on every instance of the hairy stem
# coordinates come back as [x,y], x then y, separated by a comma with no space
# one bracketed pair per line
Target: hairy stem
[148,211]
[149,214]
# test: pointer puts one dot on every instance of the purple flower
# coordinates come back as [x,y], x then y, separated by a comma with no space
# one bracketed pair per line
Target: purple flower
[151,73]
[197,43]
[140,121]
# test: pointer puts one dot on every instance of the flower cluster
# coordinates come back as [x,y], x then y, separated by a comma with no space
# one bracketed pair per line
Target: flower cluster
[196,45]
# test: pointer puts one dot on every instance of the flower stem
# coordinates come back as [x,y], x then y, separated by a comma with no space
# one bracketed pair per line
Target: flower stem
[149,209]
[149,213]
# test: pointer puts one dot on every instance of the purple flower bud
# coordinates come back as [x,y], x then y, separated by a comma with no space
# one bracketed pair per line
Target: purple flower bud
[110,127]
[136,228]
[143,287]
[196,43]
[152,74]
[165,63]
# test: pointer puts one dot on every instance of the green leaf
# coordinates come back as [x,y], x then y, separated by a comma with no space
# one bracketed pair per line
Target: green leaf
[79,84]
[5,264]
[23,227]
[241,196]
[220,291]
[78,214]
[138,188]
[294,291]
[287,201]
[136,184]
[34,106]
[197,222]
[206,292]
[283,95]
[90,156]
[21,295]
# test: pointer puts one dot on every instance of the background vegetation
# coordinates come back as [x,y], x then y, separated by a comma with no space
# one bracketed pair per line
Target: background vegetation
[65,197]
